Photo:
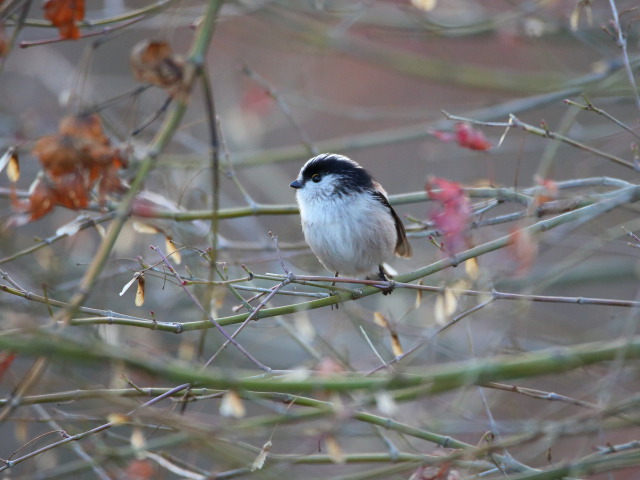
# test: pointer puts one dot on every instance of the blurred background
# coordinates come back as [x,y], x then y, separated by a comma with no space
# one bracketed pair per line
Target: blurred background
[370,80]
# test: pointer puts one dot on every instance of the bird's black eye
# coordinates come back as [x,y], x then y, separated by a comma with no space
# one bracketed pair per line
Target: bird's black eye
[316,177]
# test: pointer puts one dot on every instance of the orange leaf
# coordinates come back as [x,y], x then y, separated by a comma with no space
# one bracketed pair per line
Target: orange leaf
[74,161]
[40,202]
[87,125]
[64,14]
[58,154]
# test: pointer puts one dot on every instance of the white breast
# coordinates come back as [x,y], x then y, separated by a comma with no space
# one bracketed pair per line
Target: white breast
[351,234]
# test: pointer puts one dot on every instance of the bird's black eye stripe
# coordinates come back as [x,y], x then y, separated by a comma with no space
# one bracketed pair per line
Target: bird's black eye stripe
[316,177]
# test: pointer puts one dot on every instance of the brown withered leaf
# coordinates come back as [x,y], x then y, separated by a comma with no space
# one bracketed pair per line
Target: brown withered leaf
[74,161]
[152,61]
[13,165]
[84,125]
[39,202]
[232,405]
[140,292]
[334,450]
[172,250]
[258,463]
[58,154]
[64,14]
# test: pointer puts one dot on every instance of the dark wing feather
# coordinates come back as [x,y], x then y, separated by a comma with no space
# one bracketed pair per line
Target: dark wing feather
[403,247]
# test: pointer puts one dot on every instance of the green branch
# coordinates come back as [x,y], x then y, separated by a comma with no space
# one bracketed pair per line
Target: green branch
[434,379]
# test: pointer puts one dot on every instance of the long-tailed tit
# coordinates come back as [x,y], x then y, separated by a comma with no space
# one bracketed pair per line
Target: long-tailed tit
[346,217]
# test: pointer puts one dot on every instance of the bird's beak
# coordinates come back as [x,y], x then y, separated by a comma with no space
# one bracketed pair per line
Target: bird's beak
[296,184]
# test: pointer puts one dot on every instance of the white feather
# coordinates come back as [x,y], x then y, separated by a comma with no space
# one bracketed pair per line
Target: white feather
[350,234]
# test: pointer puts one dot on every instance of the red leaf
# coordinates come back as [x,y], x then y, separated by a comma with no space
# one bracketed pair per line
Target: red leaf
[466,136]
[451,215]
[446,137]
[471,138]
[64,14]
[6,359]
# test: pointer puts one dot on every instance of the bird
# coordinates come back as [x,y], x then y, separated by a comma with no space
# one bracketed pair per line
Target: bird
[347,219]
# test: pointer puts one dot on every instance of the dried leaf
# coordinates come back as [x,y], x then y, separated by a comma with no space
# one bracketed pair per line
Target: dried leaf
[232,405]
[40,200]
[258,463]
[140,292]
[64,14]
[386,403]
[152,61]
[424,5]
[142,227]
[523,247]
[445,307]
[6,157]
[172,251]
[472,268]
[13,168]
[73,162]
[380,320]
[72,227]
[118,418]
[396,347]
[334,450]
[574,18]
[138,441]
[129,283]
[419,295]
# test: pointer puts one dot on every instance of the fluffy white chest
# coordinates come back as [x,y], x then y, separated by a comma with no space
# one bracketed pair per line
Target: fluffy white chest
[351,234]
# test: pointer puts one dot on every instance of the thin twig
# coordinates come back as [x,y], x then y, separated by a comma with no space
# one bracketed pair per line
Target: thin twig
[622,43]
[79,436]
[206,314]
[546,133]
